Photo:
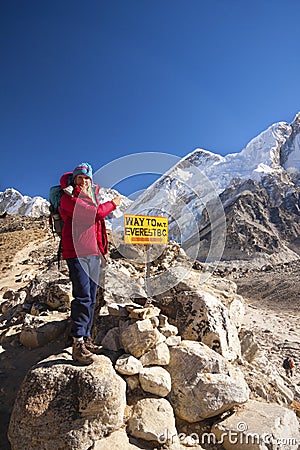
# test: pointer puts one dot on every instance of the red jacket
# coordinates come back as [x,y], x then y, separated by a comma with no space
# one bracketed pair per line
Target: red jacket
[84,232]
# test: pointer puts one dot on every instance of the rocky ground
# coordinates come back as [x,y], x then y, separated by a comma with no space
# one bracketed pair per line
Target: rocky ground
[271,294]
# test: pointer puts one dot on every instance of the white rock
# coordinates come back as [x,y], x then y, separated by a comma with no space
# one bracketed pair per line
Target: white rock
[139,337]
[172,341]
[62,405]
[259,426]
[236,311]
[155,380]
[204,318]
[169,330]
[128,365]
[158,356]
[39,331]
[151,419]
[204,384]
[111,340]
[115,441]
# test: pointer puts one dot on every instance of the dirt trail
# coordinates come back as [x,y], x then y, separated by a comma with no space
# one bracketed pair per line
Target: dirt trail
[23,268]
[277,331]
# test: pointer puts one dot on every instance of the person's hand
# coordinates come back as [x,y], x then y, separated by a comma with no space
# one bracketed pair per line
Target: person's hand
[117,200]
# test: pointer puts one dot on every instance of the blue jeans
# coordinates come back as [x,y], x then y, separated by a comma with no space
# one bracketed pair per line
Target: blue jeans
[84,274]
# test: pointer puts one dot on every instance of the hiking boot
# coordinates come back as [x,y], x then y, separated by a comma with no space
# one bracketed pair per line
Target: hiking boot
[91,347]
[81,354]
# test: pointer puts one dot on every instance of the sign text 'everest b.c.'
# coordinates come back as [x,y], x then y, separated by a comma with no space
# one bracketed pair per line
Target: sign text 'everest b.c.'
[145,229]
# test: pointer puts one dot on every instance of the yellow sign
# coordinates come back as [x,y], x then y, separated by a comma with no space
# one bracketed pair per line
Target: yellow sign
[145,229]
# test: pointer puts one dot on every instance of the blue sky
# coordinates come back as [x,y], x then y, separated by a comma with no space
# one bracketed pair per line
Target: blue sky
[100,79]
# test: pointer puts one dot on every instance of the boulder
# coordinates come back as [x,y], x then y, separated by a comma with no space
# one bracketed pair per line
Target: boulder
[118,440]
[155,380]
[204,384]
[259,426]
[11,299]
[172,341]
[121,284]
[59,296]
[157,356]
[128,365]
[133,382]
[236,311]
[249,346]
[149,312]
[139,337]
[169,330]
[11,335]
[111,340]
[62,405]
[37,331]
[152,419]
[48,287]
[202,317]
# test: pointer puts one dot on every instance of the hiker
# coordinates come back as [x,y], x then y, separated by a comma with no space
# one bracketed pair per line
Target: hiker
[84,244]
[288,365]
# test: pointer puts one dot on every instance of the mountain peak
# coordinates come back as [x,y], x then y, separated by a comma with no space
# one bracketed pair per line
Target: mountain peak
[13,202]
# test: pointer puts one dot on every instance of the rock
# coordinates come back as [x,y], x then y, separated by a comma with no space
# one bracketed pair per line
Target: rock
[287,393]
[111,340]
[152,419]
[59,296]
[120,285]
[154,321]
[13,298]
[222,289]
[249,346]
[266,378]
[157,356]
[236,311]
[133,382]
[128,365]
[62,405]
[47,288]
[259,426]
[11,335]
[118,440]
[172,341]
[139,337]
[204,384]
[168,330]
[10,294]
[163,320]
[296,407]
[143,313]
[38,331]
[155,380]
[201,317]
[114,309]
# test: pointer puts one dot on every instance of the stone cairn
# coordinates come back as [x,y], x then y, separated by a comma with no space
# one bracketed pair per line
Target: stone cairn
[148,388]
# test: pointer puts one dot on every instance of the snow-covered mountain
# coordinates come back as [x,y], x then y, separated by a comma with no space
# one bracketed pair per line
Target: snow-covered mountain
[196,182]
[13,202]
[276,151]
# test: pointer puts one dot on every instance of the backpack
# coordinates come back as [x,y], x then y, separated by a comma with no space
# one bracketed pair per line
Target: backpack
[55,221]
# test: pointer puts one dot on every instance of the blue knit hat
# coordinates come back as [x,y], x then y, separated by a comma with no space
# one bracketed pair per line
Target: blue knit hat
[83,169]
